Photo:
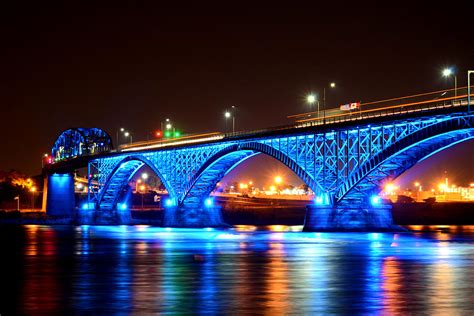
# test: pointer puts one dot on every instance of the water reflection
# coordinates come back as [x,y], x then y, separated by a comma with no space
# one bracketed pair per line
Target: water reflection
[125,269]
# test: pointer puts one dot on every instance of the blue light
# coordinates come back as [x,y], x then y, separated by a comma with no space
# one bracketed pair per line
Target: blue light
[208,202]
[88,206]
[169,202]
[318,200]
[375,200]
[122,206]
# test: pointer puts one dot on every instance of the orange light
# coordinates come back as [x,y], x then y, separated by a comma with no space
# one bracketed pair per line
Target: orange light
[142,188]
[158,134]
[278,179]
[33,189]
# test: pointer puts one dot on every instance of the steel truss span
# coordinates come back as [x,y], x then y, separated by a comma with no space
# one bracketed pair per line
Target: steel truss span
[77,142]
[344,164]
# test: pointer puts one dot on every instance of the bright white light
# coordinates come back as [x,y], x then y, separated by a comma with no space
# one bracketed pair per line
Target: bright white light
[227,114]
[144,176]
[311,98]
[332,85]
[168,126]
[127,134]
[122,129]
[447,72]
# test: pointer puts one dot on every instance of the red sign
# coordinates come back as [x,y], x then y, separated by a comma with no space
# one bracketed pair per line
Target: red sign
[350,106]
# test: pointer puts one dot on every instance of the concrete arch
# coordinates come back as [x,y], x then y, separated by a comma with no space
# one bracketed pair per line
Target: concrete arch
[404,154]
[215,168]
[121,175]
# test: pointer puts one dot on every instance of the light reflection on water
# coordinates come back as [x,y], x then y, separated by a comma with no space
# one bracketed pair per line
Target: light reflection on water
[276,269]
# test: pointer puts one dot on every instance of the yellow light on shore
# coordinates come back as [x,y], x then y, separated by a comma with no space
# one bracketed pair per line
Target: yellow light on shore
[278,179]
[142,188]
[390,188]
[272,188]
[442,186]
[417,184]
[33,189]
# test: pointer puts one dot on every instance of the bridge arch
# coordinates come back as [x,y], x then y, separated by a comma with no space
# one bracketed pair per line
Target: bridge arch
[217,166]
[121,175]
[404,154]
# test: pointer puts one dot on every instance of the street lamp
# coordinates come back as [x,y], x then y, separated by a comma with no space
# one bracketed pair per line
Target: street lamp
[448,72]
[144,176]
[469,72]
[311,99]
[33,190]
[229,114]
[117,136]
[331,85]
[127,134]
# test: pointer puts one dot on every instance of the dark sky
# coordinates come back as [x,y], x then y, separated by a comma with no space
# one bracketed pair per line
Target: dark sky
[79,64]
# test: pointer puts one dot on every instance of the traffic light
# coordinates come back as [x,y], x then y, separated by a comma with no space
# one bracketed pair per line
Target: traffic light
[158,134]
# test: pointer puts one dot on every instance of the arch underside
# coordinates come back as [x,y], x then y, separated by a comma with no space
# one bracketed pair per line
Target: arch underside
[394,164]
[224,161]
[121,176]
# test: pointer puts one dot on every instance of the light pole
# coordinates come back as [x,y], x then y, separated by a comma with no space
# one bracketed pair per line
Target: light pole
[448,72]
[469,72]
[227,115]
[33,190]
[128,134]
[311,99]
[121,130]
[331,85]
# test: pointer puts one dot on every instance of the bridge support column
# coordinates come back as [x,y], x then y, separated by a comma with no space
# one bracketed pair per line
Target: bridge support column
[59,195]
[190,217]
[342,218]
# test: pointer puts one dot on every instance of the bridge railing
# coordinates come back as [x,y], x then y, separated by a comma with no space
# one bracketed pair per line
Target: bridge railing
[460,102]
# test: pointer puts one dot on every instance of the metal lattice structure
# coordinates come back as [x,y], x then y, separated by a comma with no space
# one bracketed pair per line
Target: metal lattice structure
[343,163]
[76,142]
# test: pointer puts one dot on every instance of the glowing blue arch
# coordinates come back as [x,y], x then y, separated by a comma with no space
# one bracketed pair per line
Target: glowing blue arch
[217,166]
[77,142]
[404,154]
[121,176]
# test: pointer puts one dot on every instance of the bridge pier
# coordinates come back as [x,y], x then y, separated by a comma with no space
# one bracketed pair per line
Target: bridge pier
[58,193]
[191,217]
[347,218]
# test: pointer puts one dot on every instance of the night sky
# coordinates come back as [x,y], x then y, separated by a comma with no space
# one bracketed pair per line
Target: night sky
[81,65]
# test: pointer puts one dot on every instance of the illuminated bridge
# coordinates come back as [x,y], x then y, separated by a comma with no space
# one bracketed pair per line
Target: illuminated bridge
[343,157]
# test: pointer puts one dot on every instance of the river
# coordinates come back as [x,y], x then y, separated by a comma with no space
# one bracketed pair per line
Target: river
[248,269]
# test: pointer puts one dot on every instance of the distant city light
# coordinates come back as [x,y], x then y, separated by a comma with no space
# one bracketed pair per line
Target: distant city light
[442,186]
[144,176]
[227,114]
[417,184]
[168,126]
[332,85]
[278,179]
[272,188]
[390,188]
[33,189]
[127,134]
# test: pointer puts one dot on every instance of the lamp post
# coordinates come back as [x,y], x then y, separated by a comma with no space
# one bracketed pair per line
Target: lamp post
[33,190]
[469,72]
[331,85]
[229,114]
[448,72]
[311,99]
[128,134]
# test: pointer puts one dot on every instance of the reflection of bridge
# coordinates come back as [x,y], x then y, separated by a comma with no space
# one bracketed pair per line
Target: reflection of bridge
[343,158]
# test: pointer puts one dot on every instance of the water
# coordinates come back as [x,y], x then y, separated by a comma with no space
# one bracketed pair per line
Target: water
[133,269]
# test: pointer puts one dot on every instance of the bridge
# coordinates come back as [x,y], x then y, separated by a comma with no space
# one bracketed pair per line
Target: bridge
[345,158]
